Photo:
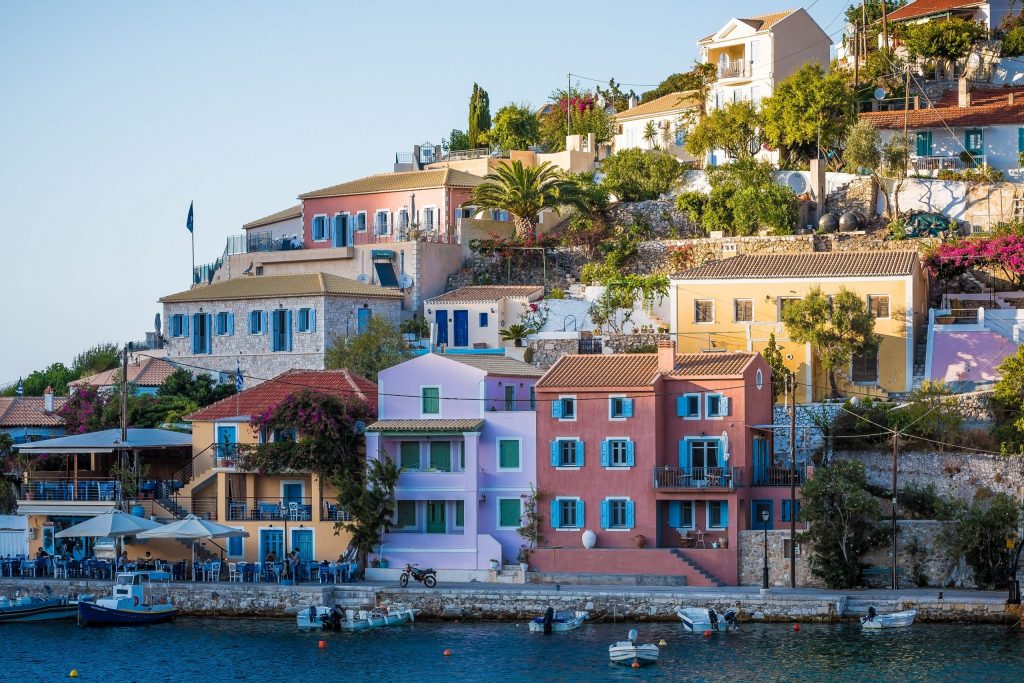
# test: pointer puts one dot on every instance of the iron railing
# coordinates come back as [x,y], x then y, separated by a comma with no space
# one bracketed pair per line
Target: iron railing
[711,478]
[270,509]
[779,476]
[91,490]
[589,346]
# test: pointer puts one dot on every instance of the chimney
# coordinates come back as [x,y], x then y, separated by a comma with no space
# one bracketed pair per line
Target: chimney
[48,399]
[917,102]
[963,93]
[632,101]
[1011,100]
[666,356]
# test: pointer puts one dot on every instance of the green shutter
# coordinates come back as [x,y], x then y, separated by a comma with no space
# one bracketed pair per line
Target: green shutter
[441,455]
[410,455]
[431,400]
[460,513]
[508,454]
[509,514]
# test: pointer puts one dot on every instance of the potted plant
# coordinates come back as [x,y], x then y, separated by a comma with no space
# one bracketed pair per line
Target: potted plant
[514,333]
[494,564]
[640,540]
[383,563]
[524,558]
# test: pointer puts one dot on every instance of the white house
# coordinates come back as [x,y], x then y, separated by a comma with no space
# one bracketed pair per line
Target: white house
[989,13]
[472,317]
[671,116]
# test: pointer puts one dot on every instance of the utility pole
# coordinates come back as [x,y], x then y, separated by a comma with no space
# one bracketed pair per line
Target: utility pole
[792,482]
[124,395]
[863,35]
[885,26]
[895,456]
[856,63]
[568,110]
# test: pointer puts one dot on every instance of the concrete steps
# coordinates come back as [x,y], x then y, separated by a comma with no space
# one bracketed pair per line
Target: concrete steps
[711,580]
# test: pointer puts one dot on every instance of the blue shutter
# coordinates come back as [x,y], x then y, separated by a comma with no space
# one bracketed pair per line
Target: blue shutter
[681,406]
[675,513]
[265,328]
[725,514]
[630,514]
[231,324]
[606,447]
[288,330]
[184,325]
[1020,139]
[195,334]
[630,454]
[312,320]
[579,453]
[209,333]
[556,408]
[785,511]
[554,453]
[580,517]
[627,407]
[604,514]
[554,514]
[684,460]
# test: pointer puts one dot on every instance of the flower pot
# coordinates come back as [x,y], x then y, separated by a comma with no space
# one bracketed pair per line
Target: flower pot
[519,343]
[384,564]
[589,539]
[640,540]
[724,543]
[494,564]
[523,567]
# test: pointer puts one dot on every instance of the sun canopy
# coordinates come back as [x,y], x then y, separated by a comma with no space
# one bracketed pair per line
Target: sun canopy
[112,523]
[194,527]
[108,441]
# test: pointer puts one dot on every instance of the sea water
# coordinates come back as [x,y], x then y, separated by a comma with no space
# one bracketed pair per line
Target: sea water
[274,650]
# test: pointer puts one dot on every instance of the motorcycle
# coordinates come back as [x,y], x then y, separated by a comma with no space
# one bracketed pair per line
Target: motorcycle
[428,577]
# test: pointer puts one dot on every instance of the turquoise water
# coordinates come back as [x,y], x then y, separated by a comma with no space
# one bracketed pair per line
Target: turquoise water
[273,650]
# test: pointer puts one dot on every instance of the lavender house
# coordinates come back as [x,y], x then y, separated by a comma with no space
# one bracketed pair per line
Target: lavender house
[463,429]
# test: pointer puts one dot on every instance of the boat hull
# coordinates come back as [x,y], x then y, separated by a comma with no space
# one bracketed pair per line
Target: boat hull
[91,614]
[45,610]
[626,654]
[696,620]
[560,624]
[370,620]
[894,620]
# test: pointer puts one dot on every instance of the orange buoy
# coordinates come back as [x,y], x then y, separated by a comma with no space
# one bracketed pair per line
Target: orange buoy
[635,664]
[447,653]
[707,633]
[796,627]
[322,644]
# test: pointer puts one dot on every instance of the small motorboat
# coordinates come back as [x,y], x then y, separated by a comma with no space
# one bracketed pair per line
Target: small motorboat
[894,620]
[557,622]
[27,608]
[627,652]
[699,620]
[339,619]
[128,605]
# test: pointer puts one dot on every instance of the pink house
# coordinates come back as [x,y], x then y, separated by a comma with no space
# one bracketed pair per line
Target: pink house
[664,457]
[386,208]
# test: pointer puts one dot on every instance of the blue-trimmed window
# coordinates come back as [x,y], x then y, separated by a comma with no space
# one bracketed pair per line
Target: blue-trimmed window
[224,324]
[617,513]
[567,513]
[177,325]
[484,320]
[361,221]
[235,547]
[318,228]
[718,514]
[257,322]
[688,406]
[617,453]
[306,320]
[564,408]
[680,514]
[786,508]
[620,407]
[567,453]
[716,405]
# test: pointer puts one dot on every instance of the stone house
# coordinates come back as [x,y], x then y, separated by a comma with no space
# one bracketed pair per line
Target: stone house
[270,324]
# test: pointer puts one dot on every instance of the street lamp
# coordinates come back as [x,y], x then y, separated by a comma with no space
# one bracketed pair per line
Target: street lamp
[765,514]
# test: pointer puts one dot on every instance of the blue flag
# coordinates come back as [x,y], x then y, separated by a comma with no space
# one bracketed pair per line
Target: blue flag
[21,388]
[238,377]
[188,223]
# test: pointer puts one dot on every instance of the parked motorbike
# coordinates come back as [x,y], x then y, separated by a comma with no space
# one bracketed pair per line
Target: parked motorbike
[428,577]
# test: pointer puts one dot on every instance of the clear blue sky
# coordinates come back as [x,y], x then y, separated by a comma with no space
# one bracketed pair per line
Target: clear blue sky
[116,114]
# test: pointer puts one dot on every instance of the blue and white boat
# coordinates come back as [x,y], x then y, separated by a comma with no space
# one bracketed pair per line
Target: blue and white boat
[128,605]
[557,622]
[27,608]
[874,620]
[338,619]
[699,619]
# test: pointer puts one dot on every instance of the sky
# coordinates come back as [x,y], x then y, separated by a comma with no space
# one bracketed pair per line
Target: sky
[115,115]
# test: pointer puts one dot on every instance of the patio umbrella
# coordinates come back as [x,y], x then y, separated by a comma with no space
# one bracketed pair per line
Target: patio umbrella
[193,527]
[111,523]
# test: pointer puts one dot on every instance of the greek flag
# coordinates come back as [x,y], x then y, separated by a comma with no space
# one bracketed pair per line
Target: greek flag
[21,388]
[238,377]
[188,223]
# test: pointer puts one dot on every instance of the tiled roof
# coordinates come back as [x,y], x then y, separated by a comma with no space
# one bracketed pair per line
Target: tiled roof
[827,264]
[674,101]
[452,426]
[274,286]
[924,8]
[147,372]
[762,22]
[398,182]
[954,117]
[983,96]
[255,400]
[496,365]
[27,411]
[486,293]
[291,212]
[639,369]
[108,440]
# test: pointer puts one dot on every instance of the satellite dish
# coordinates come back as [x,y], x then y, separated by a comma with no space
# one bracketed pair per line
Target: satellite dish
[879,93]
[404,281]
[363,278]
[359,428]
[797,183]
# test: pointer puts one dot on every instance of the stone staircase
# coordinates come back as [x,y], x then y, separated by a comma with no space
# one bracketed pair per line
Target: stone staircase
[920,358]
[709,578]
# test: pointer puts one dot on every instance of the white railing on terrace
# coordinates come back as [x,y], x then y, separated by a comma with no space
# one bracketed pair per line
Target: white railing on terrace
[936,162]
[733,70]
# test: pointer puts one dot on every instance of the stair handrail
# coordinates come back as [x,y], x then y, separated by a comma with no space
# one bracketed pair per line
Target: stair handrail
[184,475]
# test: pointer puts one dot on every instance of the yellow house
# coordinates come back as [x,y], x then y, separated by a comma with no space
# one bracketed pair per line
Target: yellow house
[280,511]
[737,303]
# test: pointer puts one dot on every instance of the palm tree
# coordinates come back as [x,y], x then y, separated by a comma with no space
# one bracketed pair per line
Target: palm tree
[651,135]
[523,191]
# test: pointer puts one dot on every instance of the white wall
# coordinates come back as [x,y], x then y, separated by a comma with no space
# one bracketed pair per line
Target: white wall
[1009,71]
[1001,145]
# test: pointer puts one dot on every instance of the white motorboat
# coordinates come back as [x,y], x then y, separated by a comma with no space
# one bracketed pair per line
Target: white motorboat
[894,620]
[627,652]
[557,622]
[338,619]
[699,619]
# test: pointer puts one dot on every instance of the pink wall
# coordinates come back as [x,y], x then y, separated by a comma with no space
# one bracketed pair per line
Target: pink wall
[647,561]
[441,198]
[968,356]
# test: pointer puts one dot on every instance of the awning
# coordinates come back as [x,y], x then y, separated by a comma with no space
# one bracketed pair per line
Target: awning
[385,274]
[426,426]
[108,441]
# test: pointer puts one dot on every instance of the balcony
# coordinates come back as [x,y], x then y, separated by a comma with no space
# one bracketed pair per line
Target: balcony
[697,478]
[270,509]
[936,162]
[82,490]
[779,476]
[254,242]
[736,69]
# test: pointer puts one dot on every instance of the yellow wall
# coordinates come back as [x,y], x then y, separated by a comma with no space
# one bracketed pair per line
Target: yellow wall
[894,368]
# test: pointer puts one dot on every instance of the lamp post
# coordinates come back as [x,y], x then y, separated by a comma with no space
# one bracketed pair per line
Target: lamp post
[765,514]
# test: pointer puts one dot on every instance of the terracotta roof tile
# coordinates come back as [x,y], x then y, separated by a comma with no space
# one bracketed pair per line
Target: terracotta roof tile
[675,101]
[255,400]
[954,117]
[487,293]
[28,411]
[809,265]
[639,369]
[147,372]
[289,213]
[501,366]
[453,426]
[762,22]
[924,8]
[398,182]
[275,286]
[983,96]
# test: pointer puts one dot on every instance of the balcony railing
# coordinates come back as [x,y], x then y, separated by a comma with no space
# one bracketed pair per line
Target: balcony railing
[779,476]
[270,509]
[936,162]
[253,242]
[203,275]
[709,478]
[463,154]
[732,70]
[589,346]
[86,490]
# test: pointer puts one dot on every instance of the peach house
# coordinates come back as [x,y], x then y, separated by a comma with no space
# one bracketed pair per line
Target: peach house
[660,458]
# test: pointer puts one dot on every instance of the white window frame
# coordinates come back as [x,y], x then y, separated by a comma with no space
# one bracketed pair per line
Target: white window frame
[387,222]
[611,415]
[355,227]
[497,454]
[707,516]
[693,515]
[700,405]
[292,481]
[497,512]
[559,440]
[780,302]
[759,379]
[440,404]
[436,217]
[610,527]
[706,322]
[574,408]
[888,305]
[327,230]
[707,406]
[559,499]
[611,464]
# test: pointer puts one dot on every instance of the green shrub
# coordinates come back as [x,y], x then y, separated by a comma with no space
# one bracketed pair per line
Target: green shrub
[556,293]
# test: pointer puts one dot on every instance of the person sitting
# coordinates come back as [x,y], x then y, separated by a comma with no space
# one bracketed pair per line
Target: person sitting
[293,561]
[271,557]
[122,559]
[41,554]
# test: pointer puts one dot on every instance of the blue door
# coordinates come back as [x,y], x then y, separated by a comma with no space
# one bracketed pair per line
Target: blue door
[461,328]
[339,234]
[363,316]
[291,493]
[226,440]
[272,540]
[761,462]
[756,508]
[441,320]
[303,540]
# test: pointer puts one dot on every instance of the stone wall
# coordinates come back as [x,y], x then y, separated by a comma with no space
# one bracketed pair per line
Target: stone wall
[661,216]
[859,195]
[547,351]
[751,559]
[809,438]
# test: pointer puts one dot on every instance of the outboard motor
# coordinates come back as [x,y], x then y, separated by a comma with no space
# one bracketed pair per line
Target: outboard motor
[311,614]
[870,616]
[713,618]
[730,619]
[632,635]
[549,618]
[335,618]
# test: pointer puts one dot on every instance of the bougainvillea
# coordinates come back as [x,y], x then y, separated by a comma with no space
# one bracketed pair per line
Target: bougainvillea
[1003,252]
[83,411]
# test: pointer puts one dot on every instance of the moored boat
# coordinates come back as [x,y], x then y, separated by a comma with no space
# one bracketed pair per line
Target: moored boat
[338,619]
[27,608]
[627,652]
[557,622]
[128,604]
[874,620]
[699,619]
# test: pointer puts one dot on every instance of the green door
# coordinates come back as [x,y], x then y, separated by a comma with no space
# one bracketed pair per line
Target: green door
[435,517]
[974,141]
[441,456]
